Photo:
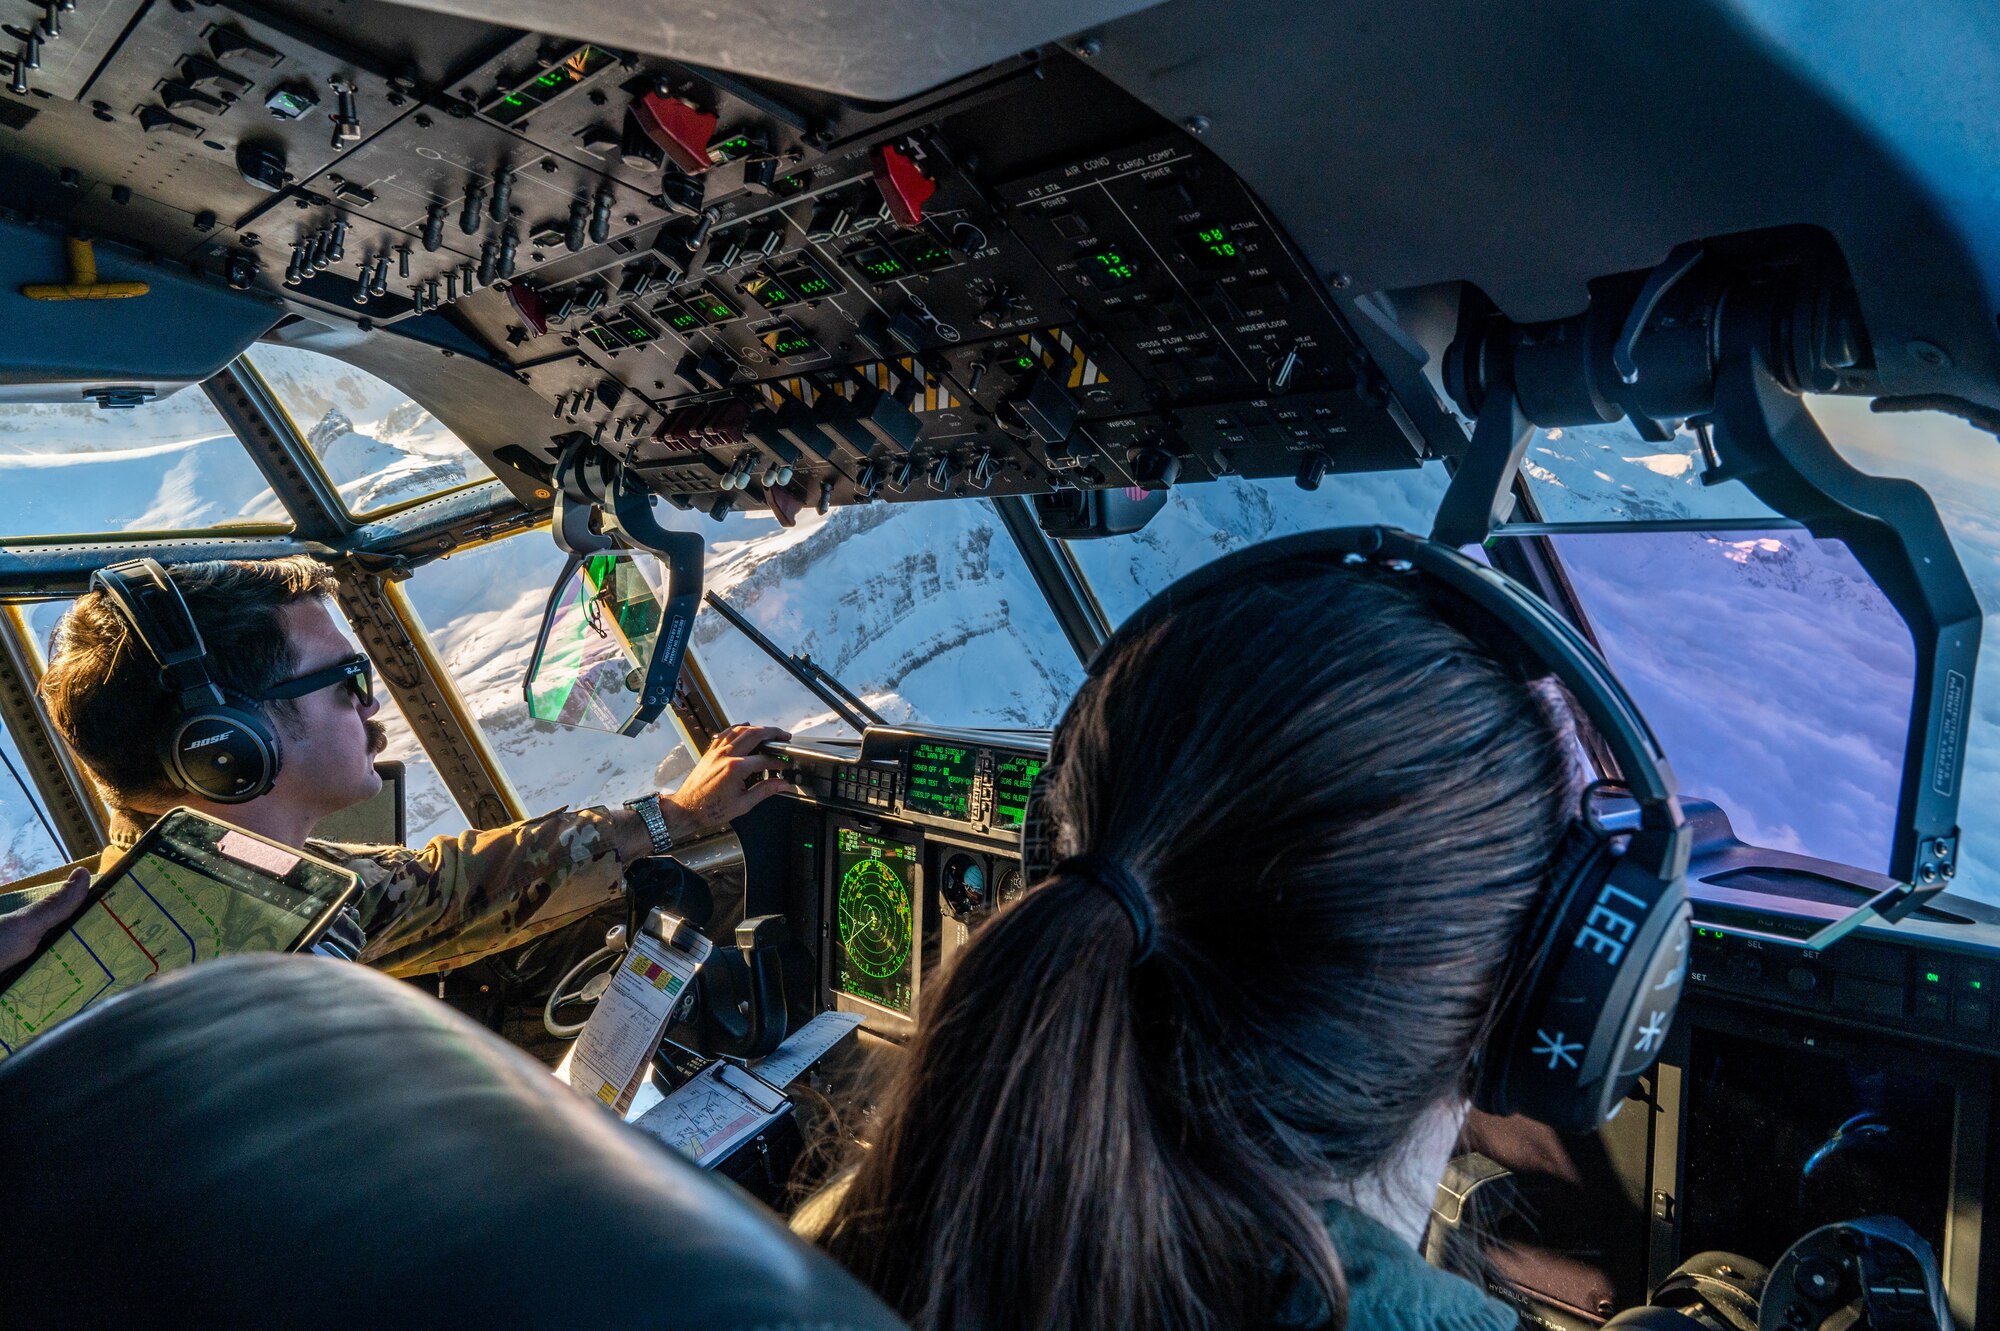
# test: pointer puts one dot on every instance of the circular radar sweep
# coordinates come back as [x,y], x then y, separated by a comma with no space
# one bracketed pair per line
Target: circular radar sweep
[874,910]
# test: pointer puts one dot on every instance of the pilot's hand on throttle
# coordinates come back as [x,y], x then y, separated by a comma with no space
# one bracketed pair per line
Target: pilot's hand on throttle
[727,782]
[22,930]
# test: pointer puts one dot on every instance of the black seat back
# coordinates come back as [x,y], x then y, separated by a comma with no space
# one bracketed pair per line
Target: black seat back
[276,1140]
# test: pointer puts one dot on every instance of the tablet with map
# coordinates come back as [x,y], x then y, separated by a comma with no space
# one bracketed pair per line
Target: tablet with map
[192,889]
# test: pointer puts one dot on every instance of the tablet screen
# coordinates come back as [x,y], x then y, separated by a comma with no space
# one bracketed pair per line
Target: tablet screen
[191,890]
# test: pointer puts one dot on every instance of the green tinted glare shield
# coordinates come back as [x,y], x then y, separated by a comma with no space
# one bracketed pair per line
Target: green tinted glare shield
[598,636]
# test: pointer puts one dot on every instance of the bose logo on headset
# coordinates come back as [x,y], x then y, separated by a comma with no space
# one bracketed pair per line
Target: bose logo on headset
[235,760]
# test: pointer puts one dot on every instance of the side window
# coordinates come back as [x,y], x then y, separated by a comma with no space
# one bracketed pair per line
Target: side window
[1775,673]
[27,845]
[1201,523]
[170,465]
[379,448]
[481,608]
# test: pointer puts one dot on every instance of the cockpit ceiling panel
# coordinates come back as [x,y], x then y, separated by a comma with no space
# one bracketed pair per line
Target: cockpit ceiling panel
[1529,149]
[881,51]
[182,329]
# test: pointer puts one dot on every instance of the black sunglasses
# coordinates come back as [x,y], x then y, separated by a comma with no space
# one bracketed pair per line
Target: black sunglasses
[356,672]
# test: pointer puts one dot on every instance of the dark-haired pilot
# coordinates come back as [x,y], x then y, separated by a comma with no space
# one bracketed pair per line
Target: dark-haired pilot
[272,644]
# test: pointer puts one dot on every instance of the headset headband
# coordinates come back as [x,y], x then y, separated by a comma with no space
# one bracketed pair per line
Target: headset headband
[158,616]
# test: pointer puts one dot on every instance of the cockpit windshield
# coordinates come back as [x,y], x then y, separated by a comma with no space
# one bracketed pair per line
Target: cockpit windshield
[168,465]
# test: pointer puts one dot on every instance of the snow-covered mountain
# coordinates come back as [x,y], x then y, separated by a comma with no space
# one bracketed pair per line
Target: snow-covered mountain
[377,446]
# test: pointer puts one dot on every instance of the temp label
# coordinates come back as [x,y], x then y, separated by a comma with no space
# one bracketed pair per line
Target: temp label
[1951,716]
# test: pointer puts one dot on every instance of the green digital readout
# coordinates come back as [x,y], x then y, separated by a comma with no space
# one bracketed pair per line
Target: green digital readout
[787,341]
[633,328]
[676,316]
[940,780]
[712,307]
[551,82]
[729,149]
[1211,247]
[1109,269]
[1012,781]
[808,282]
[923,254]
[768,292]
[878,263]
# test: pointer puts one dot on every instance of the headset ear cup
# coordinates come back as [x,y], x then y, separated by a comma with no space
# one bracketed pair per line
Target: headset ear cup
[1576,853]
[228,754]
[1589,1011]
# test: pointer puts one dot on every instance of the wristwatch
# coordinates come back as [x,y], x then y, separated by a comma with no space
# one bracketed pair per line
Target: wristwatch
[648,809]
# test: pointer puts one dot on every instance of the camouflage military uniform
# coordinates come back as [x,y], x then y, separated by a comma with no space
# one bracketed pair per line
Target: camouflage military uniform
[465,897]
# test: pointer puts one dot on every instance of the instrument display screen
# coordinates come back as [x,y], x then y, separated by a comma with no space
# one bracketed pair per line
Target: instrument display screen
[940,780]
[1012,780]
[875,905]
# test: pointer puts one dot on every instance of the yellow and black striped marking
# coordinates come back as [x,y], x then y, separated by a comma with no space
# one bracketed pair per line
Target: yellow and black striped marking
[1060,353]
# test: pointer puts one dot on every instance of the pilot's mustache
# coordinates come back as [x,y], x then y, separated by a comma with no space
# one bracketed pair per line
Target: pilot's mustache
[378,736]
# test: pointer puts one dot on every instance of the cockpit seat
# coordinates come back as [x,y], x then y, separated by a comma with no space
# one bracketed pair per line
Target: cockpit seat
[290,1141]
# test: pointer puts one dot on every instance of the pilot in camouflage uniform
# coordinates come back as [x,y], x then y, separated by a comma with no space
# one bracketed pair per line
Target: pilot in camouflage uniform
[458,898]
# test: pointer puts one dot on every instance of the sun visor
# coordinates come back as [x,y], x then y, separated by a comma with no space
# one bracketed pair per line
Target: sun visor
[129,325]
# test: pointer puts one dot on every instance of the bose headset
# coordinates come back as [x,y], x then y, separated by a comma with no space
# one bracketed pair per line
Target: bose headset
[1595,978]
[217,749]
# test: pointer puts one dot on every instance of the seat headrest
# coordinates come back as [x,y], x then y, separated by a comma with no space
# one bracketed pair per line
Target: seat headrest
[279,1140]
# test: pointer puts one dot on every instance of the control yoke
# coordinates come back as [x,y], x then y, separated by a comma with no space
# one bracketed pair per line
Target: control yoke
[601,507]
[1729,343]
[1872,1274]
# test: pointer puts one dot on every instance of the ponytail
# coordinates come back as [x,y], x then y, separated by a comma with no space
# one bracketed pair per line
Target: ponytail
[1023,1134]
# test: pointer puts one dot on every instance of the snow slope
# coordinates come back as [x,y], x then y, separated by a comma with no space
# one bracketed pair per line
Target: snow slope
[378,447]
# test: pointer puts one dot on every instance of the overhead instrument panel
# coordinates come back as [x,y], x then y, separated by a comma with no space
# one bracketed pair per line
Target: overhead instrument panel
[752,296]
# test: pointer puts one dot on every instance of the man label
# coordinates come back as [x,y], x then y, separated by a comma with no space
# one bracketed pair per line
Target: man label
[1607,929]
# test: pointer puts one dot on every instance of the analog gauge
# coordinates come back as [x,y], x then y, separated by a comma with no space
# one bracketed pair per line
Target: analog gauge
[1012,884]
[963,886]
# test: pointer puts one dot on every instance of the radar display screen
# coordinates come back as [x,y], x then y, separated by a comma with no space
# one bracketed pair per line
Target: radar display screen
[875,902]
[940,780]
[1012,781]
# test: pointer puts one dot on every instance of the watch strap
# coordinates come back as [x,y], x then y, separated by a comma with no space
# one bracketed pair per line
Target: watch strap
[648,809]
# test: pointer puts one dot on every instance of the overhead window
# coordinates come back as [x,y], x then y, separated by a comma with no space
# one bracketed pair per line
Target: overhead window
[1204,522]
[166,466]
[379,447]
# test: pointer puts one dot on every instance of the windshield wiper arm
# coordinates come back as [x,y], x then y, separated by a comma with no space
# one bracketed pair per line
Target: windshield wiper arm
[818,682]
